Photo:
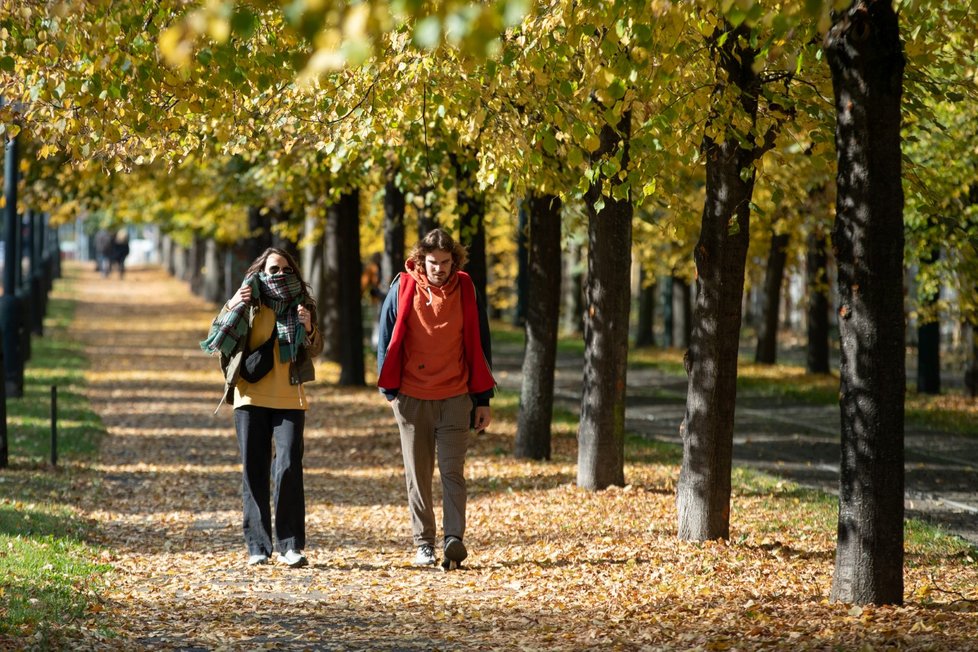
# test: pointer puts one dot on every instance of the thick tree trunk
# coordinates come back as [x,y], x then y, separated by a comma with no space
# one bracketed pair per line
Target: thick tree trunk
[279,219]
[472,221]
[929,342]
[522,261]
[767,337]
[865,55]
[349,292]
[601,438]
[542,321]
[329,308]
[703,489]
[645,329]
[392,261]
[668,313]
[817,260]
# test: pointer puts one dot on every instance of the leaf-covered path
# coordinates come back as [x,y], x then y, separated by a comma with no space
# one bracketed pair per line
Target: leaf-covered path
[551,567]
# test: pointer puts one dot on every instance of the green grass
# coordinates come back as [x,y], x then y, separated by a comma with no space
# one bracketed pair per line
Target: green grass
[48,571]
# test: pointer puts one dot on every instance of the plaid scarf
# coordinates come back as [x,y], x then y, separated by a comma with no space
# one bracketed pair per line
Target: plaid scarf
[282,293]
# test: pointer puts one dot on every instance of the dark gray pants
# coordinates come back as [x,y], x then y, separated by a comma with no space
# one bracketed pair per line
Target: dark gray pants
[257,428]
[428,428]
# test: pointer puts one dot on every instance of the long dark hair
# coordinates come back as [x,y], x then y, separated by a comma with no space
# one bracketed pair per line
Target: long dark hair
[259,266]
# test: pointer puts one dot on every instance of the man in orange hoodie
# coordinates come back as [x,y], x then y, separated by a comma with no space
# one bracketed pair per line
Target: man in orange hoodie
[434,366]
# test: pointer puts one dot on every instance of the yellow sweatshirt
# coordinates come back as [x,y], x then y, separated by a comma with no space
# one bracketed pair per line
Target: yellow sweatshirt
[273,390]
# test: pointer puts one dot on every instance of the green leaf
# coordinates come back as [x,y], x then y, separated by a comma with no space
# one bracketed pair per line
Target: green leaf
[7,64]
[244,23]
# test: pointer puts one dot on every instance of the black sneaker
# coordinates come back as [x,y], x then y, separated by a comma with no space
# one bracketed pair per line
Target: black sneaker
[455,553]
[425,555]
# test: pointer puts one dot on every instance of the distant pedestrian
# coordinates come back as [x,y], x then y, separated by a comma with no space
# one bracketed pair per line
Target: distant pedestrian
[103,251]
[433,364]
[119,251]
[267,337]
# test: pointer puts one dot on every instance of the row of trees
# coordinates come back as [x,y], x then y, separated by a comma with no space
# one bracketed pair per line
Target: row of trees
[646,114]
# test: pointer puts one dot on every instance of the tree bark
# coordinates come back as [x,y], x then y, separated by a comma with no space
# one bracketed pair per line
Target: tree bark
[349,291]
[212,287]
[703,489]
[929,341]
[601,437]
[392,261]
[767,337]
[866,59]
[313,264]
[574,296]
[542,321]
[971,372]
[645,330]
[522,261]
[329,308]
[817,260]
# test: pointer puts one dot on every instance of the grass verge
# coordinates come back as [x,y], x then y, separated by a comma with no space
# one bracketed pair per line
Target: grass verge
[49,575]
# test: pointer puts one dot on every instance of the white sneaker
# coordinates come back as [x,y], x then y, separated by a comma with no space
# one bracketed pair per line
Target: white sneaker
[255,560]
[293,558]
[425,556]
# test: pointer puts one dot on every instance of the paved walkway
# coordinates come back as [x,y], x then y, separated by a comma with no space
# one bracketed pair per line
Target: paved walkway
[797,441]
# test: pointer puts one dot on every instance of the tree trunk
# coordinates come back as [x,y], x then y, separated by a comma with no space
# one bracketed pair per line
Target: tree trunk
[213,287]
[601,438]
[929,341]
[817,261]
[574,290]
[472,221]
[767,337]
[349,293]
[329,308]
[682,313]
[392,262]
[313,264]
[703,489]
[971,372]
[645,331]
[195,266]
[260,230]
[522,262]
[427,212]
[865,56]
[542,320]
[668,313]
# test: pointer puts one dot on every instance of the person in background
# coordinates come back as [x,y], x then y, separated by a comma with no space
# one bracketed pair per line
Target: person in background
[103,251]
[267,337]
[118,252]
[433,364]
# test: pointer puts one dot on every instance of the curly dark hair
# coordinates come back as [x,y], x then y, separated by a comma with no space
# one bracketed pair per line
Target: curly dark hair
[438,240]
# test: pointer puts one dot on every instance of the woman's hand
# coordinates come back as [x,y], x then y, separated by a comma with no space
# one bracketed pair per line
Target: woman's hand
[243,295]
[305,318]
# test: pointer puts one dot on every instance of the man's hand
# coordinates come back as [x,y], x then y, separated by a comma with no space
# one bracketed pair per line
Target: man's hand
[483,415]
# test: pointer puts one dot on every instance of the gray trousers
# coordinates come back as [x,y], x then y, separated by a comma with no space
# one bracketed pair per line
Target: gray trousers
[430,428]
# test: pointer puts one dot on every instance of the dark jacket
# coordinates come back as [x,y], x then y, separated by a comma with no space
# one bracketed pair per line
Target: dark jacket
[301,370]
[478,353]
